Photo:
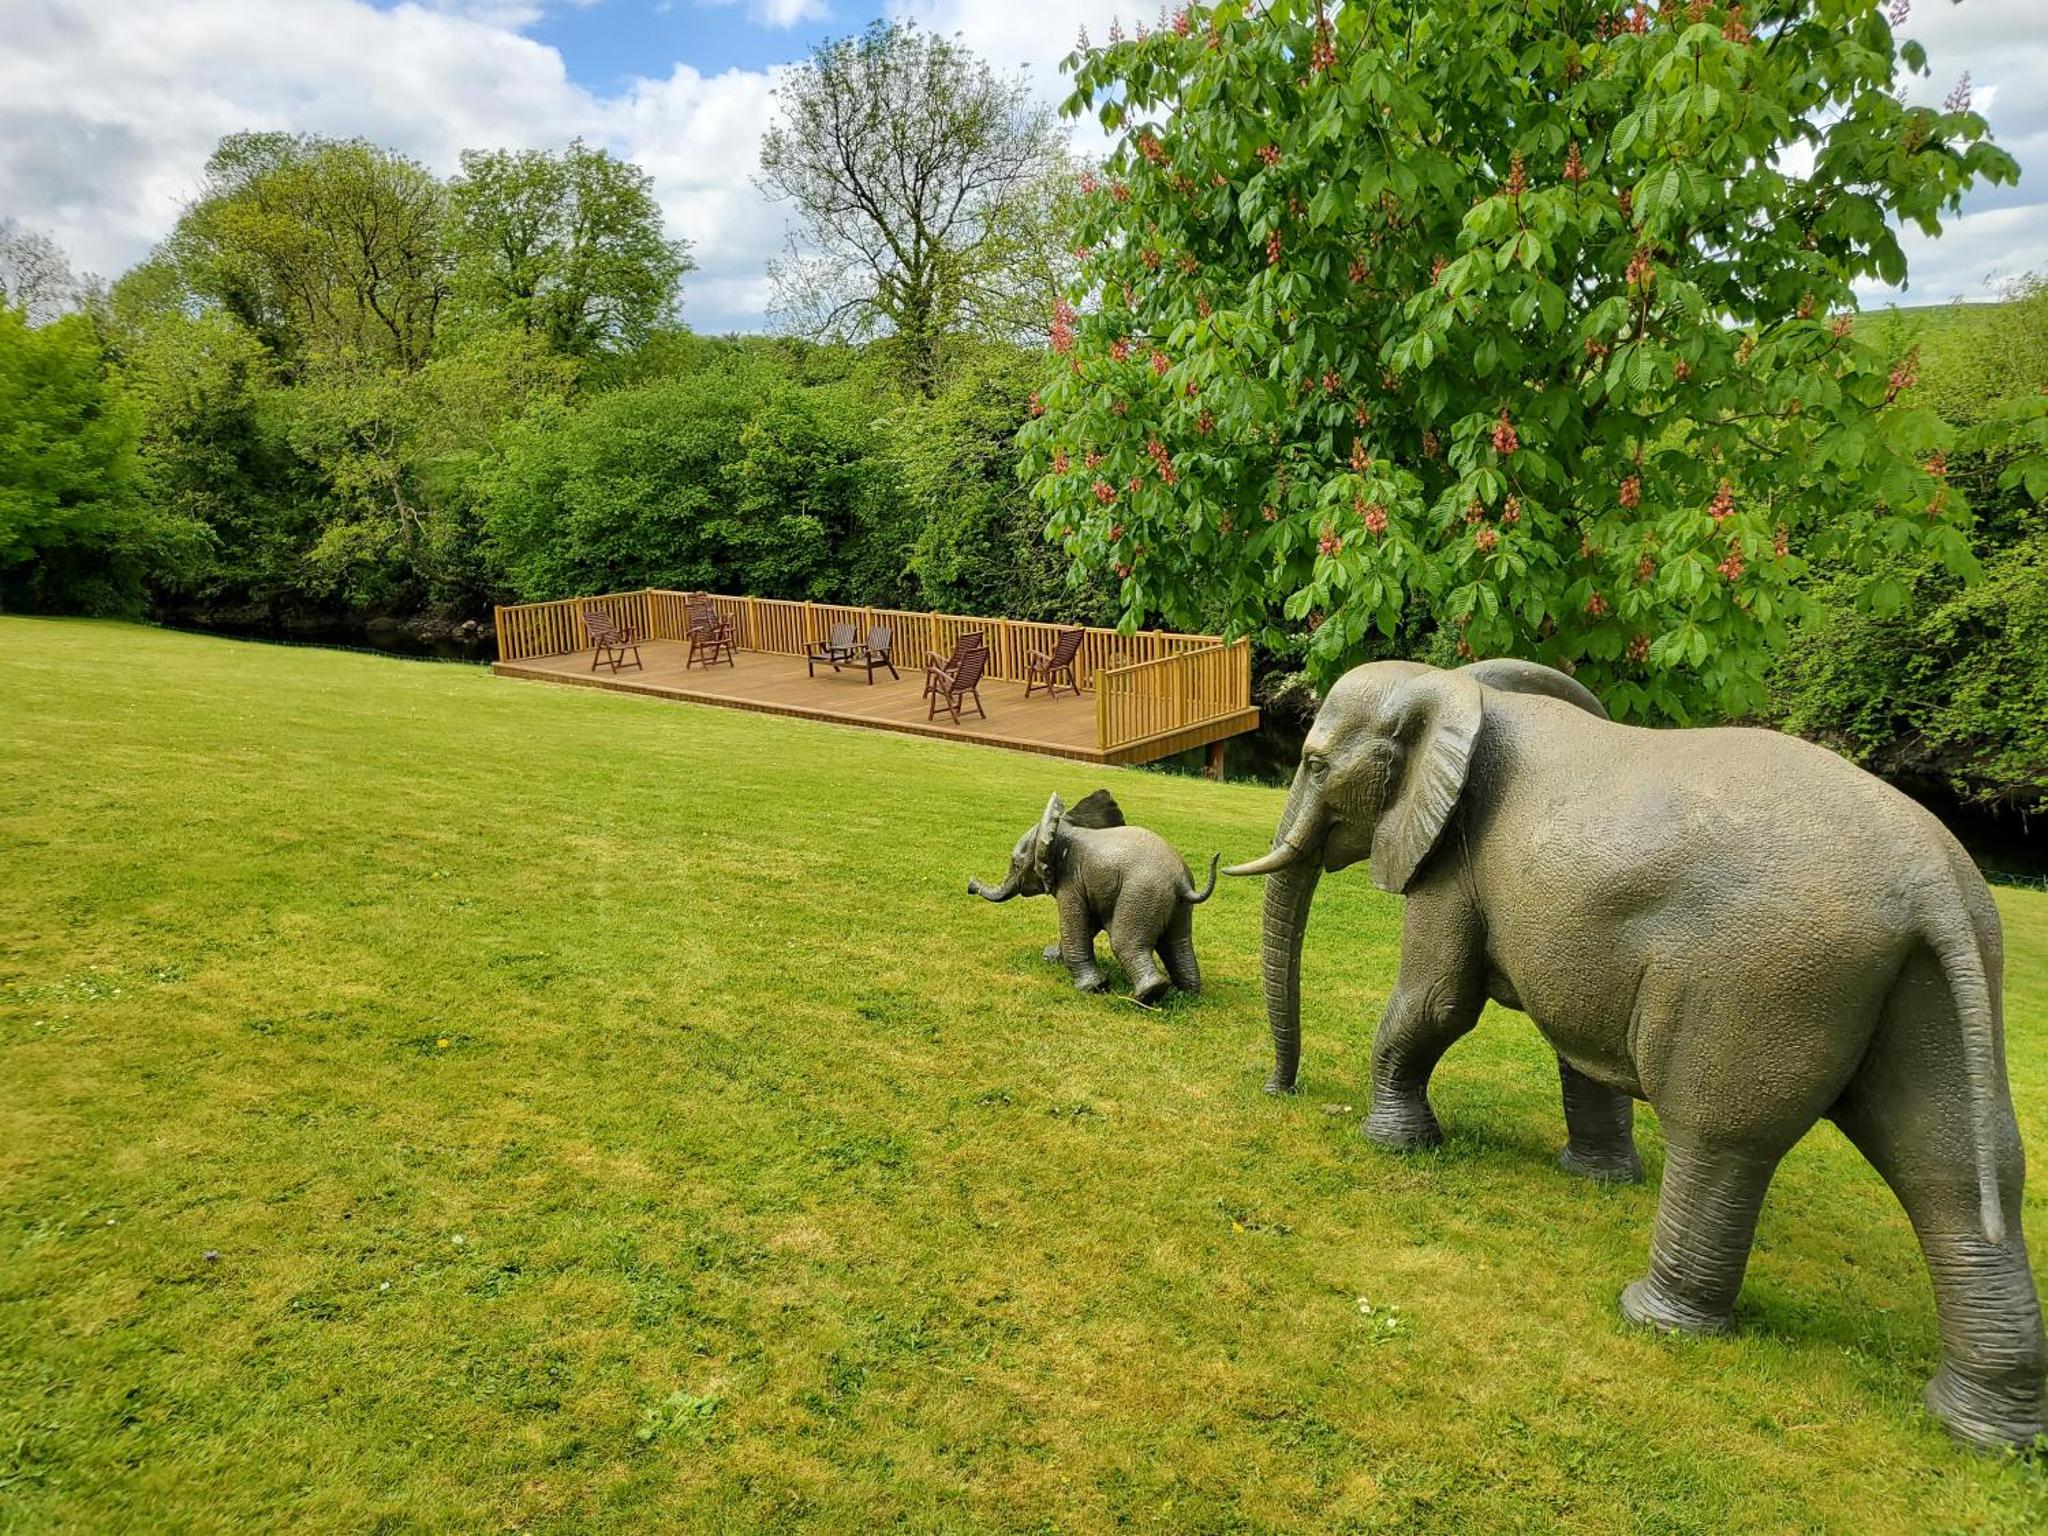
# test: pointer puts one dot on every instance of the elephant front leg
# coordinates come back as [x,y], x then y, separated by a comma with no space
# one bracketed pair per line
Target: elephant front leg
[1599,1126]
[1436,1000]
[1706,1220]
[1077,943]
[1416,1030]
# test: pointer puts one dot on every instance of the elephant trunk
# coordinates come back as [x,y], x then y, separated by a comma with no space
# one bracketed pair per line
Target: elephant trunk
[1289,892]
[1002,892]
[1291,869]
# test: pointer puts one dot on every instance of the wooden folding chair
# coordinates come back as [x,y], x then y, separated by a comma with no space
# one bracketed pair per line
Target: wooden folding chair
[962,680]
[1045,669]
[709,634]
[609,639]
[838,649]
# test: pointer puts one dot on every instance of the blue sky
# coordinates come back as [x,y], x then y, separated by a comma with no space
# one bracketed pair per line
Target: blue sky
[606,45]
[109,108]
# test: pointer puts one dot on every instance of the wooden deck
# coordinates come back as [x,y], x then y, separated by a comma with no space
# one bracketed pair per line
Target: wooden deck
[780,685]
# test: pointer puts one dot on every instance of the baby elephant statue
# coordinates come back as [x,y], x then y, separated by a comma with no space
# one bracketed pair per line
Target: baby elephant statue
[1735,926]
[1105,875]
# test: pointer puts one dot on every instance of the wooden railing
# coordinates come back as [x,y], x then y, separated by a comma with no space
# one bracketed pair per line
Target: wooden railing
[527,630]
[784,628]
[1149,684]
[1172,694]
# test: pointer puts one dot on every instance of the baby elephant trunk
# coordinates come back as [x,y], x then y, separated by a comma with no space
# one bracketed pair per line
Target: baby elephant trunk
[1002,892]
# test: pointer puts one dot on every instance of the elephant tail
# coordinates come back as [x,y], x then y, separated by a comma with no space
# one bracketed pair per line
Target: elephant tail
[1955,945]
[1195,897]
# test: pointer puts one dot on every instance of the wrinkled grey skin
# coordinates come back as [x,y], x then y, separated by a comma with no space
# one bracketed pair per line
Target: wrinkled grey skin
[1735,926]
[1107,876]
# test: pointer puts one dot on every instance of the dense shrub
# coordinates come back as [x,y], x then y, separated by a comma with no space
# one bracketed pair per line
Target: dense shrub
[979,546]
[734,476]
[1949,684]
[1954,688]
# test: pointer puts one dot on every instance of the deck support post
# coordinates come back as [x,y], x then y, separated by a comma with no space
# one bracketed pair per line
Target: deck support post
[1213,768]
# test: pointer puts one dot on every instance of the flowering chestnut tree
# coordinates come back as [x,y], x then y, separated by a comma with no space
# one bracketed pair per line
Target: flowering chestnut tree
[1534,319]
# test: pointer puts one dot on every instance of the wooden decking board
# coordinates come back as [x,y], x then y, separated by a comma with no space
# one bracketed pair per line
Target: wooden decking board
[777,684]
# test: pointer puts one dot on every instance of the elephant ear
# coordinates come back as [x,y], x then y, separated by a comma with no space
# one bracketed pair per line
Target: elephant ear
[1436,718]
[1097,810]
[1045,847]
[1510,675]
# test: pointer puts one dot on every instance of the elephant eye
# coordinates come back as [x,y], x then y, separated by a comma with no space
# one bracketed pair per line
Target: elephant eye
[1317,767]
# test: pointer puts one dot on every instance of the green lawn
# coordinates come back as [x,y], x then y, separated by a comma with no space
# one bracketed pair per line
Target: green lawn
[434,1102]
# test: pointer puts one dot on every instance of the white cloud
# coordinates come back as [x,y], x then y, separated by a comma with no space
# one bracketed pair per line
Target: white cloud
[108,109]
[781,14]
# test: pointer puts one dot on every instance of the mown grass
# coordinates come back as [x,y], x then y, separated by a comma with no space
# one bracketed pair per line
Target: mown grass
[433,1102]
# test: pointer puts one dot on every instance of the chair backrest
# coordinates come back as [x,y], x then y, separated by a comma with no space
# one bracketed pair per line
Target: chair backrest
[698,614]
[881,640]
[1068,647]
[974,640]
[968,674]
[600,625]
[842,637]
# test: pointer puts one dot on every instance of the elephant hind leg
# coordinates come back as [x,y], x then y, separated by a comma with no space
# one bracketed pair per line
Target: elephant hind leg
[1599,1129]
[1149,984]
[1177,949]
[1132,933]
[1906,1111]
[1706,1219]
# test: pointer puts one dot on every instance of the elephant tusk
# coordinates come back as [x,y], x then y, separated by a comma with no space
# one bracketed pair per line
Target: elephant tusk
[1283,856]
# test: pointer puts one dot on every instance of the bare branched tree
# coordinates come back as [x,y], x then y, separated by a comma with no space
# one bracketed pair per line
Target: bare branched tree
[35,274]
[923,183]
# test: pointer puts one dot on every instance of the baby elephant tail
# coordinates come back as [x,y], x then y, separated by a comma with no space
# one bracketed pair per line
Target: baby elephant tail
[1196,898]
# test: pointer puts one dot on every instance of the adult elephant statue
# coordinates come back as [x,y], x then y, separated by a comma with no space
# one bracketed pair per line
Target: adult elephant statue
[1734,926]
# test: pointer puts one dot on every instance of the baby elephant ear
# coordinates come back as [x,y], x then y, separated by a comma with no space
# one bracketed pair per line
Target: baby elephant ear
[1045,846]
[1097,810]
[1436,718]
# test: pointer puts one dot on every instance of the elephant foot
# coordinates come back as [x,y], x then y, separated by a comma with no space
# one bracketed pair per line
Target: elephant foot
[1603,1165]
[1276,1084]
[1987,1415]
[1650,1305]
[1090,981]
[1152,991]
[1403,1123]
